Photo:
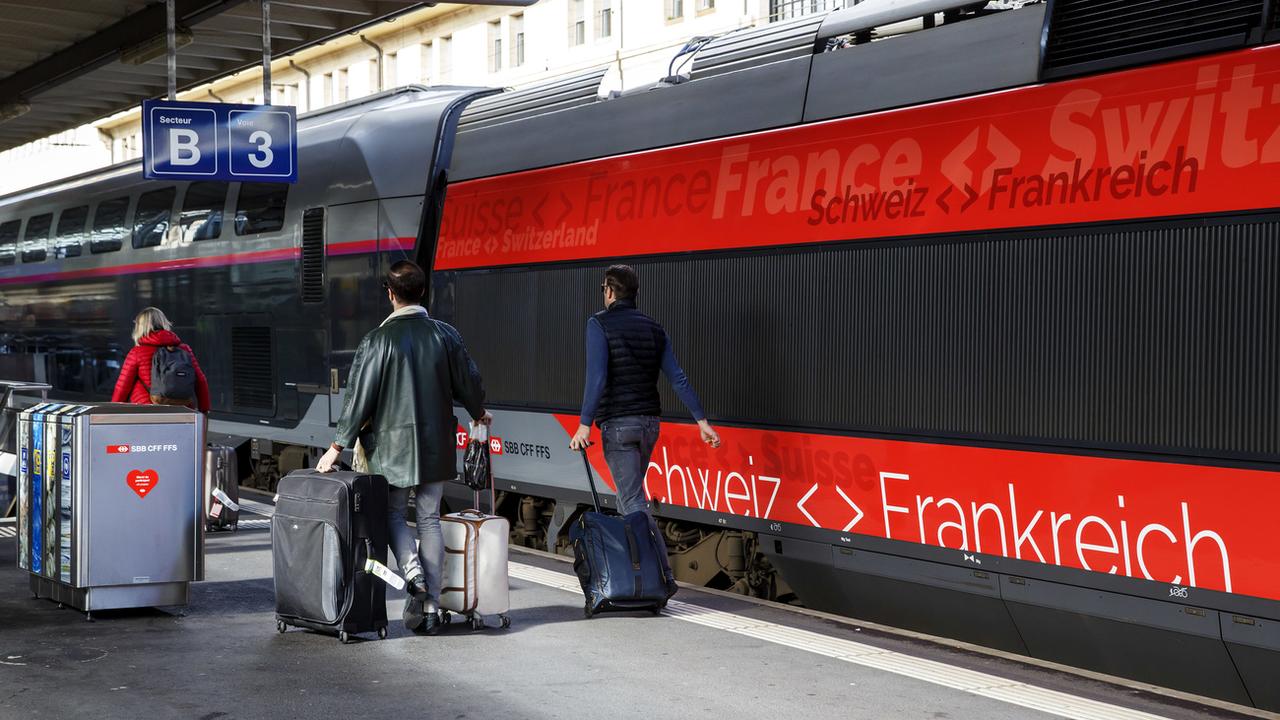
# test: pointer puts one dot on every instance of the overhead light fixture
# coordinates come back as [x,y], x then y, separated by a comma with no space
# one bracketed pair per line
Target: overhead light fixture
[157,47]
[11,110]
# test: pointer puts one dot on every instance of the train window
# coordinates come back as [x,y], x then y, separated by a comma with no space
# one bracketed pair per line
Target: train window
[35,242]
[69,241]
[202,210]
[109,228]
[260,207]
[9,241]
[151,219]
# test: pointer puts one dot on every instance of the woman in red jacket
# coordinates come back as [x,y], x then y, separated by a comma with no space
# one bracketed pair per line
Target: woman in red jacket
[152,330]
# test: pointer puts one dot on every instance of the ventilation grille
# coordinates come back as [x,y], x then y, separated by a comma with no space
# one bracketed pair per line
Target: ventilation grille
[313,256]
[1155,337]
[251,386]
[1091,35]
[752,48]
[540,99]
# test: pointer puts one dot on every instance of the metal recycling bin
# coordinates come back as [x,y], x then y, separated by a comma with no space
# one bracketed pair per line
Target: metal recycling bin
[110,503]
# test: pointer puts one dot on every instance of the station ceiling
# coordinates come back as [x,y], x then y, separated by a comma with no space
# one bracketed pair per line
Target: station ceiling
[64,63]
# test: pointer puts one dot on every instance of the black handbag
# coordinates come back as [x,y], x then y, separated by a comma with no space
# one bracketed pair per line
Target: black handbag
[476,471]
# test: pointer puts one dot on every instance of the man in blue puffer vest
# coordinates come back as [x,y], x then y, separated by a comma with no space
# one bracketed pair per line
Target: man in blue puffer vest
[626,350]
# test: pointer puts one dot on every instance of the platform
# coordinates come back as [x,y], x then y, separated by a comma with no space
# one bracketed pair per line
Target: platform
[709,655]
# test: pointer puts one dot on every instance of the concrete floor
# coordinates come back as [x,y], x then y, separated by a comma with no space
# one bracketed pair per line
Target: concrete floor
[224,659]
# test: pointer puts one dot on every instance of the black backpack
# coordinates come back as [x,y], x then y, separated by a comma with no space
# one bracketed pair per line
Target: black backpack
[173,377]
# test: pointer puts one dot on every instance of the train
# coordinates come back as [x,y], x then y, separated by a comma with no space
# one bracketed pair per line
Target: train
[982,296]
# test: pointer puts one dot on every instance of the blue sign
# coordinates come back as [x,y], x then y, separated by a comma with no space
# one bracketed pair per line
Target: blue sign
[217,141]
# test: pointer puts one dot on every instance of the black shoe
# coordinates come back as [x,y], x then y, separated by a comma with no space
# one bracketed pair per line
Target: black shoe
[431,623]
[431,620]
[413,613]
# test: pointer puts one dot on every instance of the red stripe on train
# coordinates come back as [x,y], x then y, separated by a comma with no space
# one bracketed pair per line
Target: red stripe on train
[1191,137]
[1184,525]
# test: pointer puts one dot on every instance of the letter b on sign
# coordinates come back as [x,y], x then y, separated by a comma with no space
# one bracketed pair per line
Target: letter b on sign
[184,147]
[181,142]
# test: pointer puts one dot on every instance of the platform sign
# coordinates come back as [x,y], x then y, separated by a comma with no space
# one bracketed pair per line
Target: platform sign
[219,141]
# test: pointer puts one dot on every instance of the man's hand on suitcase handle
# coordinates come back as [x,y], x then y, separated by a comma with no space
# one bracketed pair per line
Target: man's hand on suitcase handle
[329,459]
[582,439]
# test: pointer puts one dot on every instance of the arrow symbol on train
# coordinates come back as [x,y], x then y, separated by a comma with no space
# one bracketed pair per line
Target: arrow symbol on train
[537,211]
[805,499]
[853,505]
[568,208]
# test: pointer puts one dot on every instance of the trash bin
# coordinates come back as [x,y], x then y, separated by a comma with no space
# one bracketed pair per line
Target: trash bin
[110,503]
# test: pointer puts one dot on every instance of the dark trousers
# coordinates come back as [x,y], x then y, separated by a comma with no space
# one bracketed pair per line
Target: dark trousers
[628,443]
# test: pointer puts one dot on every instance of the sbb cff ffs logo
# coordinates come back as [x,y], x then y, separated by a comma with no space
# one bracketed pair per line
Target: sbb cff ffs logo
[463,437]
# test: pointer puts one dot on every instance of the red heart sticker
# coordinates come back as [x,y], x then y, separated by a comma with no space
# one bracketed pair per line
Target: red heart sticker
[142,481]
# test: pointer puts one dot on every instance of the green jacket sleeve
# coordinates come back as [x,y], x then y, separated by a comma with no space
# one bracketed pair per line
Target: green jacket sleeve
[464,376]
[362,392]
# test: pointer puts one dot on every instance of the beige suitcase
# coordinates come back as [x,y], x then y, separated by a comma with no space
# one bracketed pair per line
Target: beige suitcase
[474,579]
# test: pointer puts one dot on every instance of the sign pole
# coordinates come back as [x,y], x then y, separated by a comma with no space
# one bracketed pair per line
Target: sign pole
[171,35]
[266,51]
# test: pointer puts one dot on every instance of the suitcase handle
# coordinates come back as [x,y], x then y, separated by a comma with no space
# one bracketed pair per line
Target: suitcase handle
[595,496]
[472,512]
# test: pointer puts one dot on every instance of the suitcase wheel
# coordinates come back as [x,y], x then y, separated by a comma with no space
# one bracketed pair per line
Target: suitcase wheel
[506,621]
[477,622]
[281,627]
[446,617]
[382,633]
[344,637]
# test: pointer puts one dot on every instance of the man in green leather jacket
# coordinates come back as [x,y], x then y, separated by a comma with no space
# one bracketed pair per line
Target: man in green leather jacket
[406,376]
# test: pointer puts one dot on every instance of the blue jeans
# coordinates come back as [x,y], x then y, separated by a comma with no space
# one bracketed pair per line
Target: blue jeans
[628,443]
[428,557]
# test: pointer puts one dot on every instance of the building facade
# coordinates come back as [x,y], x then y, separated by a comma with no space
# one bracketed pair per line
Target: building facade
[464,45]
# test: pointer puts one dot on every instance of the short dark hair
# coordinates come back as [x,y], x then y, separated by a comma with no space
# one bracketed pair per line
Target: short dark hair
[623,280]
[406,281]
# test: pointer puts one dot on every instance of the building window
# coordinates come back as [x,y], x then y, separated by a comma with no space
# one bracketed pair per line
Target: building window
[604,19]
[706,6]
[577,22]
[675,10]
[202,210]
[152,217]
[495,46]
[517,40]
[424,63]
[390,73]
[446,59]
[328,89]
[342,84]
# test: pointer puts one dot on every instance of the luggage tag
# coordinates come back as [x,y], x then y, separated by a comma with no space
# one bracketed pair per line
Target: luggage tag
[216,510]
[384,573]
[226,500]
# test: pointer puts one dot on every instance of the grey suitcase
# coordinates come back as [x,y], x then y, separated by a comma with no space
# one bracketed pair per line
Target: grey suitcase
[222,488]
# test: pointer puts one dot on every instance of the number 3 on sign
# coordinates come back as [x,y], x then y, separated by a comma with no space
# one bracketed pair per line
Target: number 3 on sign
[262,139]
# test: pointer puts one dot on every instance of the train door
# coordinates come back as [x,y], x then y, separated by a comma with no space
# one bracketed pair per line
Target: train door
[353,297]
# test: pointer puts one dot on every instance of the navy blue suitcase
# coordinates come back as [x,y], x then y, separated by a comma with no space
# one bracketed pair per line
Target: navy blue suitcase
[617,559]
